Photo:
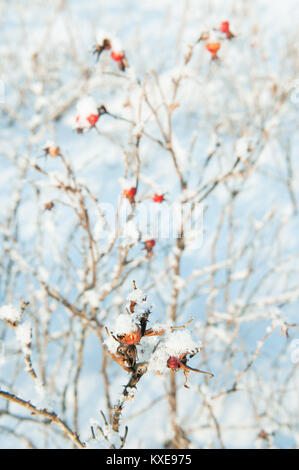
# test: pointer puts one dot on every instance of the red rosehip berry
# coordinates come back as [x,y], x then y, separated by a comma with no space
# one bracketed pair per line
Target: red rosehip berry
[120,58]
[149,244]
[159,198]
[148,247]
[224,28]
[92,119]
[130,194]
[117,56]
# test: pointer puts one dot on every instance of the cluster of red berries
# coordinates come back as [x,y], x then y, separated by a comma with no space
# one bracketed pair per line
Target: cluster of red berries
[118,56]
[129,194]
[214,46]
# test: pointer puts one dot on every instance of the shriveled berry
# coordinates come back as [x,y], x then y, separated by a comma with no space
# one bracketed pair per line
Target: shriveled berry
[132,338]
[173,362]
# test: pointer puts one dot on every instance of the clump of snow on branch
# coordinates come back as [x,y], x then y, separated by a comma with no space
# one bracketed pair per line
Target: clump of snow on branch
[85,107]
[24,336]
[175,344]
[10,314]
[137,296]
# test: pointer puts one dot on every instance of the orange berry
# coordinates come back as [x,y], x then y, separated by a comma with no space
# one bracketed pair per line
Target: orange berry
[213,47]
[132,338]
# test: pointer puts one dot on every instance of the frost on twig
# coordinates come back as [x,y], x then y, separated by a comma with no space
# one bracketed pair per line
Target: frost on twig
[106,434]
[23,332]
[49,415]
[167,158]
[124,346]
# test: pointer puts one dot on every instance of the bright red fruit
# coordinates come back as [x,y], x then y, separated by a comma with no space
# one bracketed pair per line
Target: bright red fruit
[117,56]
[121,60]
[92,119]
[149,244]
[148,247]
[224,28]
[130,194]
[158,198]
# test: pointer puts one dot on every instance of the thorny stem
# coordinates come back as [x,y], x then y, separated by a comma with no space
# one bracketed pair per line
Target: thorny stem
[139,370]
